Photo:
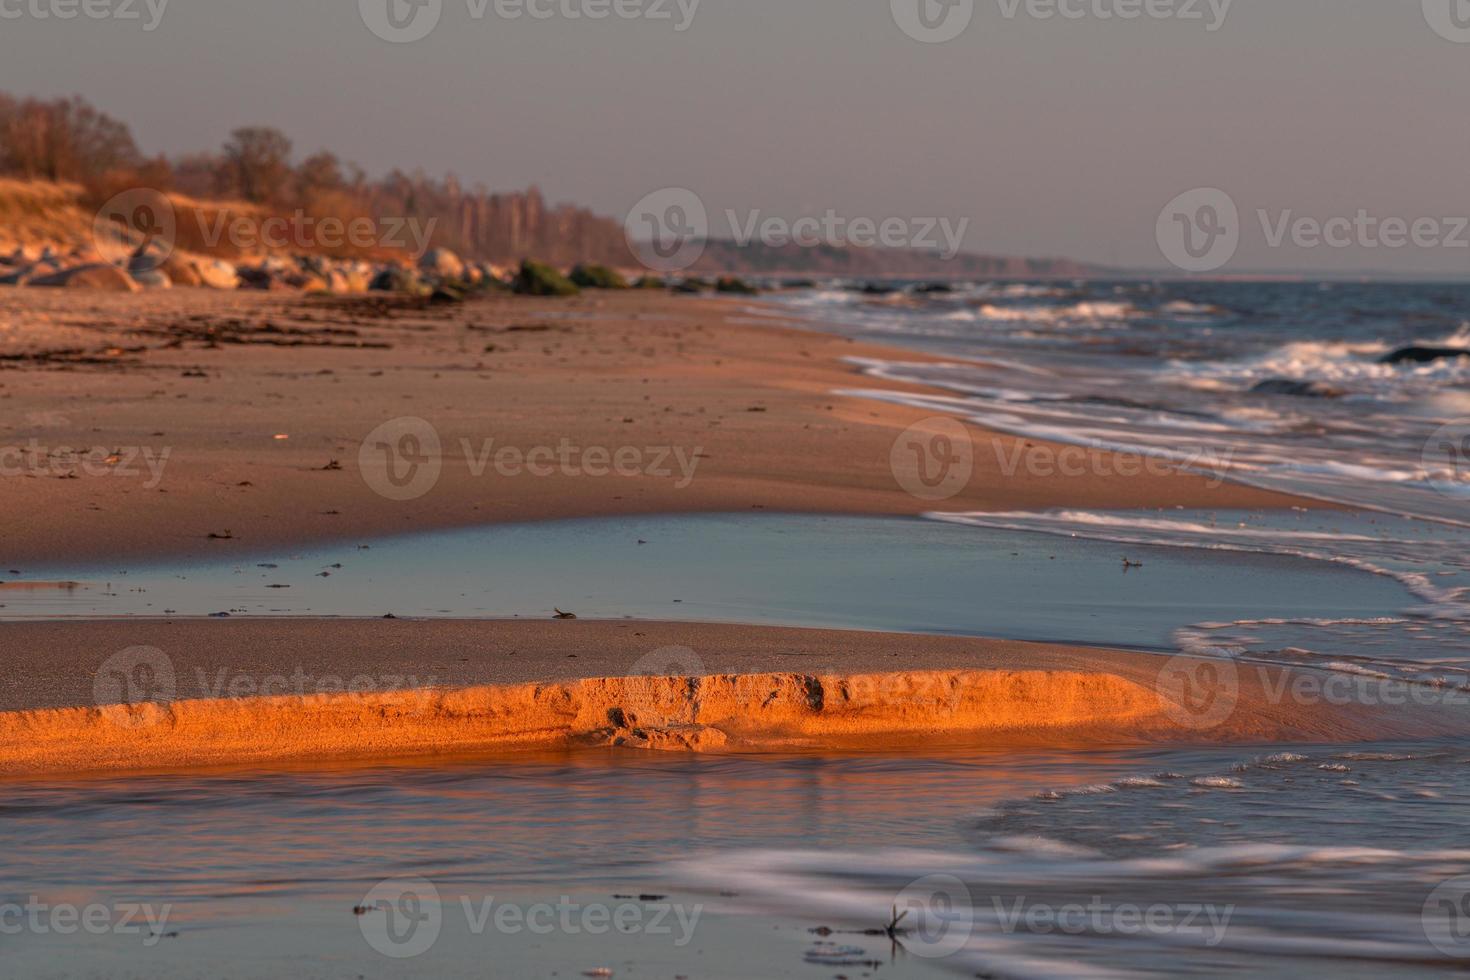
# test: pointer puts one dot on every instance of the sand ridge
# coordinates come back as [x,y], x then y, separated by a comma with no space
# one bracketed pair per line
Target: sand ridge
[373,690]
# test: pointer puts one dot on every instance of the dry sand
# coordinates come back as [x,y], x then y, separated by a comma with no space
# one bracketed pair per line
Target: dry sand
[454,687]
[216,379]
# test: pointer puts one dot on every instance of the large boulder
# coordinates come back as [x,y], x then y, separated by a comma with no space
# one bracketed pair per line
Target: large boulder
[396,279]
[358,276]
[442,264]
[1424,355]
[153,279]
[181,270]
[217,273]
[147,269]
[735,286]
[598,277]
[540,279]
[100,276]
[262,277]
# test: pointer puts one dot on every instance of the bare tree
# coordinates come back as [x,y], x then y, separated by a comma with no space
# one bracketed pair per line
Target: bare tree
[259,159]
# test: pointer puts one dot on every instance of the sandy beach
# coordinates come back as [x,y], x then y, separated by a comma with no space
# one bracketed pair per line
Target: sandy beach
[233,422]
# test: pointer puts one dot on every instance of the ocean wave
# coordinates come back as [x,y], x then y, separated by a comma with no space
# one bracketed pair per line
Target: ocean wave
[1347,368]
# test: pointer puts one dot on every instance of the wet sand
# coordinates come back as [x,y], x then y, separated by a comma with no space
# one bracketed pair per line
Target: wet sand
[445,688]
[262,401]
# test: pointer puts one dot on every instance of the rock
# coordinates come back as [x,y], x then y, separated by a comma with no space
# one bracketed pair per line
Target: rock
[102,276]
[1424,355]
[598,277]
[153,279]
[735,286]
[308,283]
[217,273]
[442,264]
[540,279]
[1296,389]
[146,268]
[359,276]
[180,268]
[396,279]
[261,277]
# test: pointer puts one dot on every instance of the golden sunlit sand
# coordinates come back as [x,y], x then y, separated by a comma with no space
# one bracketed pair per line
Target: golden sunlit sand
[762,689]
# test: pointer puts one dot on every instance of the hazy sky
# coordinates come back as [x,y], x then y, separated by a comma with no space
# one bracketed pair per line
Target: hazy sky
[1056,136]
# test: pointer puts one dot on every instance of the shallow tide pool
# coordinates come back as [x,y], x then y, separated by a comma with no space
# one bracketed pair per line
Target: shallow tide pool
[904,575]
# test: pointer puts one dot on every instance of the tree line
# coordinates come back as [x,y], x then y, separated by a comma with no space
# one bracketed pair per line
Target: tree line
[67,140]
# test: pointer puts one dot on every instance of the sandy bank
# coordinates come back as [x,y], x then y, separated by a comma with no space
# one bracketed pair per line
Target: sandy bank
[256,692]
[194,423]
